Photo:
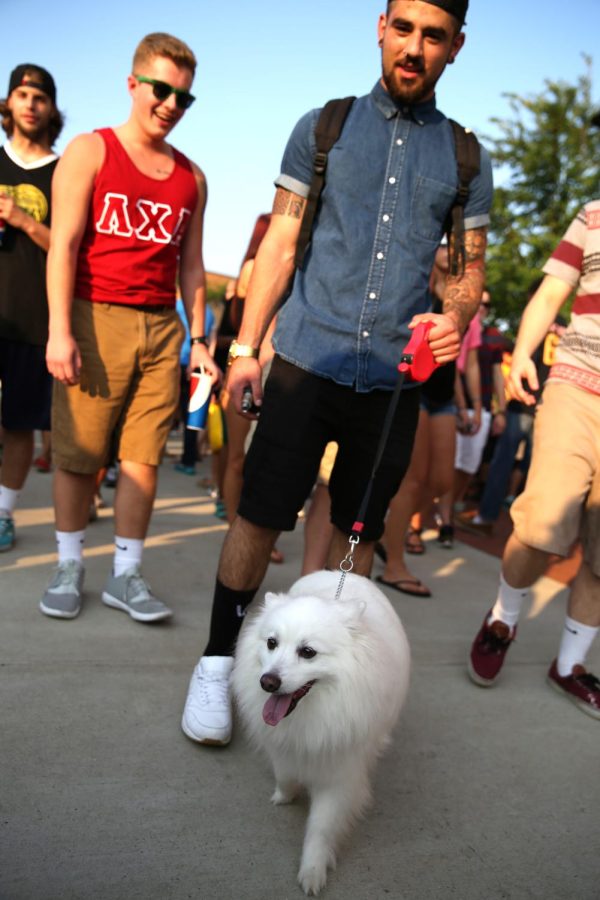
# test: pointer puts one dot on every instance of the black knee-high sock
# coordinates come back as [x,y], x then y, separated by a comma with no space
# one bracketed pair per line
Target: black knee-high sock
[228,610]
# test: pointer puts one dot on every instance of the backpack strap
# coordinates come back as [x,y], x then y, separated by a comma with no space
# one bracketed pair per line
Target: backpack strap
[327,131]
[468,163]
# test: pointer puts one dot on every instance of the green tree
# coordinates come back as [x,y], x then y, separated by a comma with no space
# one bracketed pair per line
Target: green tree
[546,156]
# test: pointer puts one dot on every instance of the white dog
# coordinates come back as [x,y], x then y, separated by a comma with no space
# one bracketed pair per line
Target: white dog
[319,685]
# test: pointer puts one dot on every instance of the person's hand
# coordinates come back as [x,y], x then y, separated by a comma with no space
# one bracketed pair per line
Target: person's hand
[444,338]
[522,369]
[10,212]
[498,423]
[244,372]
[63,359]
[463,421]
[200,357]
[475,421]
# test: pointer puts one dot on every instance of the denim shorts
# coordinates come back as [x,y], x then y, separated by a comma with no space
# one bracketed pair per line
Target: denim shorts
[432,408]
[300,415]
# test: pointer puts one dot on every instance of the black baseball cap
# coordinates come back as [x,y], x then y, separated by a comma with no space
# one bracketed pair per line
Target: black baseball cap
[30,75]
[456,8]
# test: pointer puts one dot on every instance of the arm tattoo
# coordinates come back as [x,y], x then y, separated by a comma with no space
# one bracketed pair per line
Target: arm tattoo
[464,293]
[288,204]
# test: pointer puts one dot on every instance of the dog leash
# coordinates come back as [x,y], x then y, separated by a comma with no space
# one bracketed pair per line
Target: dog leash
[418,363]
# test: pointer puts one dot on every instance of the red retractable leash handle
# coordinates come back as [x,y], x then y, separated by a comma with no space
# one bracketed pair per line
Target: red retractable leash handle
[417,360]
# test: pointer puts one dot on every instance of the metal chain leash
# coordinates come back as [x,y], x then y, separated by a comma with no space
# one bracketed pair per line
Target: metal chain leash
[347,564]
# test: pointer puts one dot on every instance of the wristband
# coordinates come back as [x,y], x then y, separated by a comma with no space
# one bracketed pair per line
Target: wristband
[199,340]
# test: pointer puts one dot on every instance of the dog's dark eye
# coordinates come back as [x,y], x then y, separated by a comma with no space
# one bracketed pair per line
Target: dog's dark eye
[271,643]
[307,652]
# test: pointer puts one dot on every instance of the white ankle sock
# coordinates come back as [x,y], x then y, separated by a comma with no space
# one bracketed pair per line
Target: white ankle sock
[70,545]
[128,553]
[8,499]
[508,603]
[574,645]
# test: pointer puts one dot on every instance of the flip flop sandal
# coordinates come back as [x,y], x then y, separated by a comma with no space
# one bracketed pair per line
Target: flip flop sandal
[404,586]
[413,543]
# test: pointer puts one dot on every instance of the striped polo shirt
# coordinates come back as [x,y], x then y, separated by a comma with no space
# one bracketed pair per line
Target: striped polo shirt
[576,260]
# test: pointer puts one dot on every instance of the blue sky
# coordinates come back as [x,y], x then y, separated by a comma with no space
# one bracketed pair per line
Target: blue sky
[263,63]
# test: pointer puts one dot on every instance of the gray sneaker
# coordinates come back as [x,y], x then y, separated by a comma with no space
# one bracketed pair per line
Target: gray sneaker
[132,594]
[62,599]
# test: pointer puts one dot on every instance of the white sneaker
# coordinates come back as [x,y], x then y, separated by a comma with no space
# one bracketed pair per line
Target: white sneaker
[207,712]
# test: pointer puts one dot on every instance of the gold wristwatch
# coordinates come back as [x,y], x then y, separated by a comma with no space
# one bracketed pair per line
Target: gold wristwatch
[236,350]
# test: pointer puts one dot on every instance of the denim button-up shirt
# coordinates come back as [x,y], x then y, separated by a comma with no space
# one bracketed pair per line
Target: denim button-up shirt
[391,181]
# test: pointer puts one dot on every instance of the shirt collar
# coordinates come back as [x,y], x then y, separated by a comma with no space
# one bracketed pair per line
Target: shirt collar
[418,112]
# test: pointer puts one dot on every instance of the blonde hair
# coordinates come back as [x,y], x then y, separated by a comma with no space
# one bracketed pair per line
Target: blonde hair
[160,44]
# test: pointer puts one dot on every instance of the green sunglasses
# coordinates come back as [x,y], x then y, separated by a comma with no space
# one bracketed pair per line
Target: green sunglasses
[162,91]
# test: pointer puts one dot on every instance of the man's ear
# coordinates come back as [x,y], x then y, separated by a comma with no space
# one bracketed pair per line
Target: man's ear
[457,45]
[381,26]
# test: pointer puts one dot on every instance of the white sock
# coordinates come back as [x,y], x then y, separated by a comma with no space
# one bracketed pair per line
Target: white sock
[574,645]
[8,499]
[70,545]
[128,553]
[508,603]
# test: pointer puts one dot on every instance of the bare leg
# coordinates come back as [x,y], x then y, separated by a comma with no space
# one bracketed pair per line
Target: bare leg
[237,432]
[245,555]
[584,599]
[318,531]
[16,458]
[522,565]
[72,497]
[363,553]
[404,504]
[134,499]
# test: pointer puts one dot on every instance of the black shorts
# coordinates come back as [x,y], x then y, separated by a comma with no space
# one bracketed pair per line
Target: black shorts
[301,413]
[26,386]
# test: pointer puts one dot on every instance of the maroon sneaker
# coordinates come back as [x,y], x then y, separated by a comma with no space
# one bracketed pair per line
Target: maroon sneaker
[580,686]
[488,651]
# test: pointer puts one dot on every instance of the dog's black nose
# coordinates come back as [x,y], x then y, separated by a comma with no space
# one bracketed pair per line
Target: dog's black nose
[270,682]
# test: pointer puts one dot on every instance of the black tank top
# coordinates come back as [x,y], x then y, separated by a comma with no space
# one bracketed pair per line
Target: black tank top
[23,302]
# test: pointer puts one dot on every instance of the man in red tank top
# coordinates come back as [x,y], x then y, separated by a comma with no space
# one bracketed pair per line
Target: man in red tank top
[127,218]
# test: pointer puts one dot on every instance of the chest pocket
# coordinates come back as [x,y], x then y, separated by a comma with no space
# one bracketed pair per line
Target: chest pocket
[431,203]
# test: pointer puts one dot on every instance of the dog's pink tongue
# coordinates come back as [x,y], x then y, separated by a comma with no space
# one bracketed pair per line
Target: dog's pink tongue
[276,708]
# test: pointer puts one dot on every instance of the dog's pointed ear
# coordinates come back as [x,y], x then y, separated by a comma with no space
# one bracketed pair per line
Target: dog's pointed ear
[272,600]
[352,612]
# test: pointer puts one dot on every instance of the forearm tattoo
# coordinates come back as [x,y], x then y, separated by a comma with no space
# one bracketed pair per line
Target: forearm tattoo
[463,293]
[288,204]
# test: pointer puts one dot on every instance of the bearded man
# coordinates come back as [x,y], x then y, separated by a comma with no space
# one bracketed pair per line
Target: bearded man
[391,182]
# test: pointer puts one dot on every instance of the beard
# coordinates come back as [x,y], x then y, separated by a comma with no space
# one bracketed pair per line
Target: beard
[408,90]
[35,132]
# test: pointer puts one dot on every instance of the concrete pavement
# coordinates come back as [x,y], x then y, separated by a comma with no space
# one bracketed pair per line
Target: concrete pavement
[484,794]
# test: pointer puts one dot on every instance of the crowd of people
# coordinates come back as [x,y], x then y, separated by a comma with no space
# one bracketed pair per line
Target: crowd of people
[91,347]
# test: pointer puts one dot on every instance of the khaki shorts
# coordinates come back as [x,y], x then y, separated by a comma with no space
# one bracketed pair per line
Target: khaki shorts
[561,500]
[129,383]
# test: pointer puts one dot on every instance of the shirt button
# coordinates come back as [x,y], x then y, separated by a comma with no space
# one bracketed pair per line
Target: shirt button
[380,256]
[372,296]
[399,142]
[386,218]
[392,180]
[365,334]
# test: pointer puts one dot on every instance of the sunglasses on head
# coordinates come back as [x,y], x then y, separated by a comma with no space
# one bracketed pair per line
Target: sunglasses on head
[162,91]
